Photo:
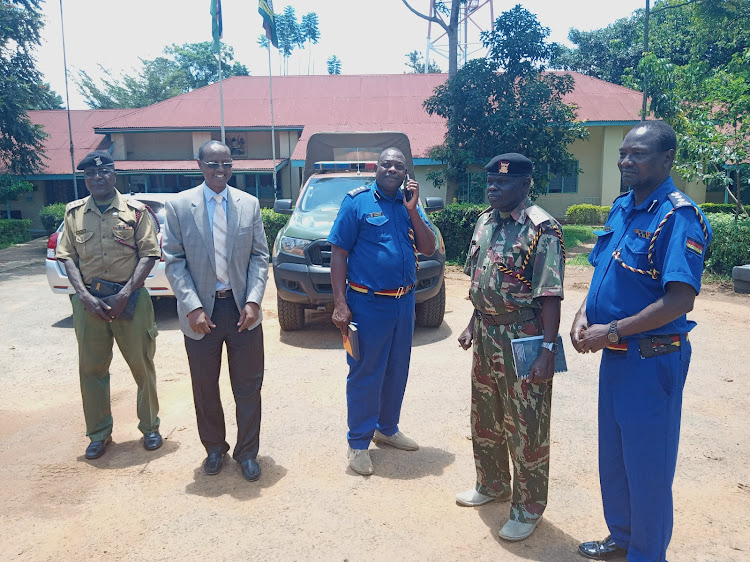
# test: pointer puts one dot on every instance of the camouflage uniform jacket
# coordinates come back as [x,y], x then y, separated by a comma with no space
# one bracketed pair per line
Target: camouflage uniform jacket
[527,247]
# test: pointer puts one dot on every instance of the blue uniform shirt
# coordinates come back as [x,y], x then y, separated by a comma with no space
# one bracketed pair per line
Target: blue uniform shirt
[678,254]
[374,229]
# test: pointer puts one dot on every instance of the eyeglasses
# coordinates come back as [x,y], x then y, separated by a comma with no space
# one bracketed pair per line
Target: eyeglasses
[214,165]
[94,172]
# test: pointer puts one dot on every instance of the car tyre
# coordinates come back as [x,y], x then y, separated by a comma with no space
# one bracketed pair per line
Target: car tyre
[430,313]
[291,315]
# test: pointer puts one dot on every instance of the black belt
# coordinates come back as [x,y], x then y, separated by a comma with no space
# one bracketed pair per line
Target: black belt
[224,294]
[512,317]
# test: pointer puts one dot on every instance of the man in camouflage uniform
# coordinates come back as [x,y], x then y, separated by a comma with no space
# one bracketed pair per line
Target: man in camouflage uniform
[113,238]
[516,263]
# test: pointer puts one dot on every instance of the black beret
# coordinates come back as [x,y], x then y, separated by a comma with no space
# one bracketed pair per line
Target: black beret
[95,159]
[510,164]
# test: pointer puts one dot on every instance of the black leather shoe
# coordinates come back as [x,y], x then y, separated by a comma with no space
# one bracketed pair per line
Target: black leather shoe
[96,448]
[601,550]
[250,469]
[152,440]
[213,464]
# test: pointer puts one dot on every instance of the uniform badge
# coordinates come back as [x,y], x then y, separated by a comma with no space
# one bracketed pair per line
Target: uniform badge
[115,214]
[503,167]
[694,246]
[643,233]
[607,228]
[378,214]
[81,232]
[98,160]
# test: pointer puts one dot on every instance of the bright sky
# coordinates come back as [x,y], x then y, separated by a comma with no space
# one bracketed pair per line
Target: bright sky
[369,36]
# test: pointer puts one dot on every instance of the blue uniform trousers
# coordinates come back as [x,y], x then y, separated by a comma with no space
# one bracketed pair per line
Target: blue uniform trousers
[376,383]
[640,403]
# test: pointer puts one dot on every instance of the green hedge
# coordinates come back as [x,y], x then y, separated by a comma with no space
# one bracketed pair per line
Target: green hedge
[574,234]
[272,223]
[730,245]
[51,216]
[587,214]
[727,208]
[456,223]
[14,231]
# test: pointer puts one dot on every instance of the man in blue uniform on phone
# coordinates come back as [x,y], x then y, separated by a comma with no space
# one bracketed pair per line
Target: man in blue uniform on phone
[375,240]
[649,262]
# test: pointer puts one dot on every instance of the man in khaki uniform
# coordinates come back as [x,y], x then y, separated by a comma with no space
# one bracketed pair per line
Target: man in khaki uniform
[109,237]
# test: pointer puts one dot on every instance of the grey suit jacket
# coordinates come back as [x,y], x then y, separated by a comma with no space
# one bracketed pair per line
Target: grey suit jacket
[188,248]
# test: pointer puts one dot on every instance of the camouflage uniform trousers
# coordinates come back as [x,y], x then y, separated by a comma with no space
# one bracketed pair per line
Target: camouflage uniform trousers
[508,415]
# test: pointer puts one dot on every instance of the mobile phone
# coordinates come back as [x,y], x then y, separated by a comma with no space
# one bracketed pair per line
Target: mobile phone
[407,193]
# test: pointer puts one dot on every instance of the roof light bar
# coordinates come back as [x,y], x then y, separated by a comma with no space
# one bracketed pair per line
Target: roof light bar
[345,166]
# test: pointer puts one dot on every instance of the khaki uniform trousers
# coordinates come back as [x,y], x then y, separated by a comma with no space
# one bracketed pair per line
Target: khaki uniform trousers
[136,339]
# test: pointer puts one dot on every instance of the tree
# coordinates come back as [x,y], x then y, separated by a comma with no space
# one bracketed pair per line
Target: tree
[187,67]
[199,64]
[507,103]
[450,28]
[11,188]
[290,35]
[21,141]
[415,61]
[681,31]
[46,98]
[310,32]
[334,65]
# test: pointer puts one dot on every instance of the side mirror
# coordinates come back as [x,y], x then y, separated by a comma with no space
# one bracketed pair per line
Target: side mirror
[283,206]
[432,204]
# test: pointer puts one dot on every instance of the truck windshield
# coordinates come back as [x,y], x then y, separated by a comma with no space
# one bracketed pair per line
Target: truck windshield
[327,193]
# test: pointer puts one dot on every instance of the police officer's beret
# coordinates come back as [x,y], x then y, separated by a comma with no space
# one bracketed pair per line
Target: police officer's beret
[96,159]
[510,164]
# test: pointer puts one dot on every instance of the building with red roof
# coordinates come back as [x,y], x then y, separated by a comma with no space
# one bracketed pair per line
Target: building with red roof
[155,147]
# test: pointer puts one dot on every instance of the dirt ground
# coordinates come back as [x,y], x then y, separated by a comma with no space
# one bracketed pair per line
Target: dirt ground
[135,505]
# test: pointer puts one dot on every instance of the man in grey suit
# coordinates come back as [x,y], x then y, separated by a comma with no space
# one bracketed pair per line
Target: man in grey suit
[217,263]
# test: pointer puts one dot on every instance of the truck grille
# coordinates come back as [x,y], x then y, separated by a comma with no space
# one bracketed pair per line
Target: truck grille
[319,253]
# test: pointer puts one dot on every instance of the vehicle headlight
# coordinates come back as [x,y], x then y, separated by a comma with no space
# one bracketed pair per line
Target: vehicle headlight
[294,246]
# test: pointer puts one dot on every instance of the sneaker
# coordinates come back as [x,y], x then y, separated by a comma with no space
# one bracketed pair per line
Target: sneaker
[359,460]
[472,498]
[398,440]
[517,531]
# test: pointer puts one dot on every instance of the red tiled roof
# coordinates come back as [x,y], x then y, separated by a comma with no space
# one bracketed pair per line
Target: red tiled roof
[312,103]
[245,165]
[85,140]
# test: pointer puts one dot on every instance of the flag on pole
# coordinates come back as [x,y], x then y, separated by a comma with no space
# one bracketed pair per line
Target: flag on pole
[217,28]
[265,9]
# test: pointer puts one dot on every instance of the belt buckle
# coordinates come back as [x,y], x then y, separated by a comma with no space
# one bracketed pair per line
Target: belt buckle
[400,292]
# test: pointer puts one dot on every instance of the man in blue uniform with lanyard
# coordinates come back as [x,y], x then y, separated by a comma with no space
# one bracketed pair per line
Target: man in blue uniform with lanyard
[649,262]
[375,240]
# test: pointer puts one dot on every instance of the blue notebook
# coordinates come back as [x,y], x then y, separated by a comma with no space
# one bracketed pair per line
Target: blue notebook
[526,350]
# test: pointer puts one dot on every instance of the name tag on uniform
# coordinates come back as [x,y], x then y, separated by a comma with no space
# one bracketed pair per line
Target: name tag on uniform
[115,214]
[122,227]
[378,214]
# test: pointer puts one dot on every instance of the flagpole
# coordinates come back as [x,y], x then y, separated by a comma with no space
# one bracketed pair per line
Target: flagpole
[273,128]
[67,103]
[221,99]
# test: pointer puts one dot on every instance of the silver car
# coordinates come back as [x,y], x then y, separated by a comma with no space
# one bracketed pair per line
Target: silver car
[156,283]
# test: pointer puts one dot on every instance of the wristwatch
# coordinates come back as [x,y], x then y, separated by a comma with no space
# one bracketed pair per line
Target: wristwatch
[550,346]
[613,336]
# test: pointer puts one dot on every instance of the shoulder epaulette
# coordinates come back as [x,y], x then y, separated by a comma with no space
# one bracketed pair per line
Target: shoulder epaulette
[679,199]
[74,204]
[487,210]
[137,205]
[537,215]
[621,196]
[358,190]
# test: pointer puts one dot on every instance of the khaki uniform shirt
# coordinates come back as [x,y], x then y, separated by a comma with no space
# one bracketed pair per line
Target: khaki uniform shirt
[499,246]
[107,245]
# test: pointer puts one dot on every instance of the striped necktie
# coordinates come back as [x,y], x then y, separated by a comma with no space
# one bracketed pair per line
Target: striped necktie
[220,241]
